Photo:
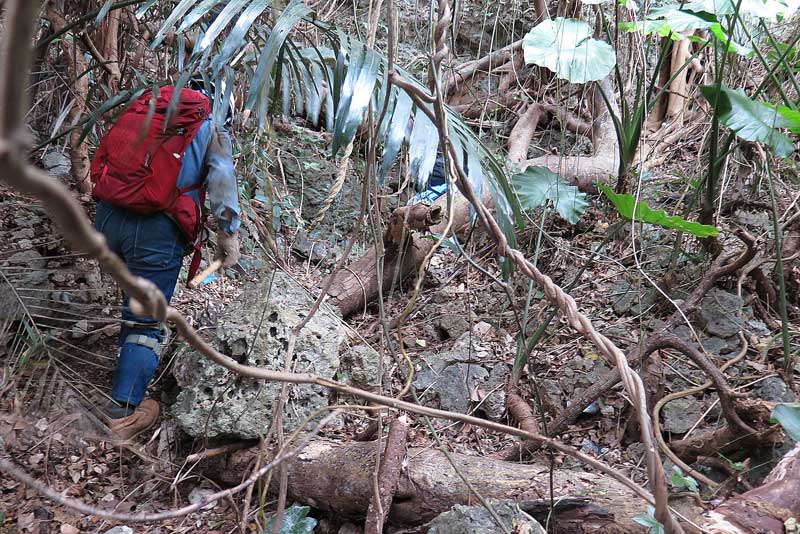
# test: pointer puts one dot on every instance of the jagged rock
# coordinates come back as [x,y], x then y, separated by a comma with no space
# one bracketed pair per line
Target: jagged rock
[774,389]
[57,164]
[477,520]
[255,330]
[681,414]
[460,376]
[26,272]
[720,313]
[359,366]
[632,299]
[315,250]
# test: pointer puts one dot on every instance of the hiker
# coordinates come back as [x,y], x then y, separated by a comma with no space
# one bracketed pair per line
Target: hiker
[151,174]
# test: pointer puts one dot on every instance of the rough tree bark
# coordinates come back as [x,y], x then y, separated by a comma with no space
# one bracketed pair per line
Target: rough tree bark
[338,478]
[355,287]
[79,152]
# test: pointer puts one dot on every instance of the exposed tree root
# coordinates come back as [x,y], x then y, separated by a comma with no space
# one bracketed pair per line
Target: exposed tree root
[724,265]
[354,288]
[727,439]
[586,171]
[388,476]
[337,478]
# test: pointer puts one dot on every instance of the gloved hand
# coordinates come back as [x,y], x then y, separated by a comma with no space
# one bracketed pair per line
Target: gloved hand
[228,248]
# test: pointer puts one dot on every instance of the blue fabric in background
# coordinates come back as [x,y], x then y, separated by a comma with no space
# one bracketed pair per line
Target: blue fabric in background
[437,184]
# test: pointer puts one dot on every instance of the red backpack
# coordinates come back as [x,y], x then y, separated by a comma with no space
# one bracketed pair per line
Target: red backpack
[138,168]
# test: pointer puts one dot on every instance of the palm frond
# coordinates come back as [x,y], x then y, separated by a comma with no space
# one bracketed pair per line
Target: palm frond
[341,82]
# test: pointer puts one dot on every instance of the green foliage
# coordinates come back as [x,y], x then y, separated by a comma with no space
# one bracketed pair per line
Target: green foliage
[765,9]
[672,20]
[792,116]
[649,521]
[679,480]
[566,47]
[294,521]
[535,186]
[788,415]
[749,119]
[343,79]
[640,211]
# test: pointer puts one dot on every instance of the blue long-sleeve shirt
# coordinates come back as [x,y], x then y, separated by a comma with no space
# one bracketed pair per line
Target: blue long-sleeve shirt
[209,161]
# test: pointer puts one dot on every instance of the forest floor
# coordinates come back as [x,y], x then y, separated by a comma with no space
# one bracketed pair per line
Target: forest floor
[65,343]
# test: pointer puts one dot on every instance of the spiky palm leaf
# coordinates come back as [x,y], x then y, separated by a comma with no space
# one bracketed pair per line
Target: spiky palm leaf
[339,82]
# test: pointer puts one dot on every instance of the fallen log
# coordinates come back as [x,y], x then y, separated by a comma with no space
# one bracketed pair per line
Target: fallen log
[772,508]
[337,478]
[356,286]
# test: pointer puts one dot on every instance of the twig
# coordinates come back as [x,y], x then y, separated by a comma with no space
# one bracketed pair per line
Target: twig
[389,475]
[218,451]
[680,394]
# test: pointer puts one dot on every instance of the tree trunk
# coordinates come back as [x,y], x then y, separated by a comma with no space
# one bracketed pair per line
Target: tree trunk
[768,509]
[357,286]
[337,478]
[586,171]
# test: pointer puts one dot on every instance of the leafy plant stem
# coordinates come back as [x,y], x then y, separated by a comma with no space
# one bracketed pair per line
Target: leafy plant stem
[781,60]
[787,355]
[770,71]
[715,165]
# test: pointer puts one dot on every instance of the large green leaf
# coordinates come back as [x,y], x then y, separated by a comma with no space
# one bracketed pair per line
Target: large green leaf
[294,521]
[788,415]
[230,10]
[200,10]
[670,21]
[566,47]
[792,116]
[640,211]
[395,134]
[261,84]
[422,147]
[535,186]
[765,9]
[749,119]
[355,95]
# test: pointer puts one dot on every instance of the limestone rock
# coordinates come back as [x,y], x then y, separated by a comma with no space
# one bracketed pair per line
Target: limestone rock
[681,414]
[467,373]
[26,272]
[359,366]
[477,520]
[255,330]
[720,313]
[774,389]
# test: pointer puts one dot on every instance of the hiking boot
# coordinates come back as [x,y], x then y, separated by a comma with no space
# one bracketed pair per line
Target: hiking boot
[115,410]
[144,416]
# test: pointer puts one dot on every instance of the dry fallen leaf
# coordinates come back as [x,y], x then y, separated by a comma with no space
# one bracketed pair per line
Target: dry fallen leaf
[69,529]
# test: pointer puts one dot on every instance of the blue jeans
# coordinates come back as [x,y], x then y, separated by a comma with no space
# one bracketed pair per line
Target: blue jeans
[152,247]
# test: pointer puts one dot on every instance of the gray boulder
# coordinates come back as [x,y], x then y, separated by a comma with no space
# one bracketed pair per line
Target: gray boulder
[360,366]
[477,520]
[721,313]
[471,372]
[255,331]
[29,284]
